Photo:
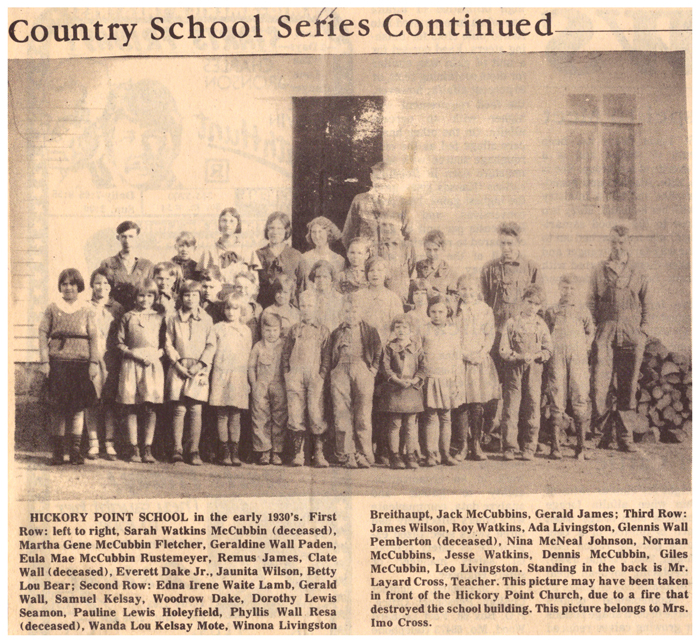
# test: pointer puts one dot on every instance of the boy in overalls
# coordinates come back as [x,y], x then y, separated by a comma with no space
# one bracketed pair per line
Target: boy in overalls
[525,346]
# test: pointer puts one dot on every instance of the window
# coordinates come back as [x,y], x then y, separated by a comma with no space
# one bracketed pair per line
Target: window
[600,154]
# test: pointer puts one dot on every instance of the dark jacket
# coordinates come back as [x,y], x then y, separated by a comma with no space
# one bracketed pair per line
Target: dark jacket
[371,345]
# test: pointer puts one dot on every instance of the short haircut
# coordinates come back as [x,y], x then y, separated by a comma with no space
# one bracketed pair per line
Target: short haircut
[569,278]
[167,266]
[189,286]
[210,274]
[269,318]
[235,213]
[418,285]
[307,294]
[247,275]
[286,222]
[436,237]
[467,278]
[234,300]
[509,228]
[374,261]
[147,287]
[321,264]
[125,226]
[282,282]
[359,240]
[401,319]
[104,272]
[535,292]
[330,228]
[185,239]
[620,230]
[439,299]
[72,276]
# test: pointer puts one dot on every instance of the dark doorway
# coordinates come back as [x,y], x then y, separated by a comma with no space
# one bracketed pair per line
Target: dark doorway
[336,141]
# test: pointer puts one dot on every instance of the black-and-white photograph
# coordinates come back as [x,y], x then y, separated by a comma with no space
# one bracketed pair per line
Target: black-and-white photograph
[360,275]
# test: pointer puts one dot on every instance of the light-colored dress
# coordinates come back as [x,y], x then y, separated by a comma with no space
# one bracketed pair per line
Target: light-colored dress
[229,374]
[443,384]
[231,260]
[379,307]
[330,308]
[140,334]
[188,340]
[477,332]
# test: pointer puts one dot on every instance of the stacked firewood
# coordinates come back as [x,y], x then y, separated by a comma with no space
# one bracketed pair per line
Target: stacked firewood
[665,395]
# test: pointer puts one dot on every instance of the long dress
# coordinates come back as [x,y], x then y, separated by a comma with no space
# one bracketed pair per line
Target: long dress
[477,331]
[229,374]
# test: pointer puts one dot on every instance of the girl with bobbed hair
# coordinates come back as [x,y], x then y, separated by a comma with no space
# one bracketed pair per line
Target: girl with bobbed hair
[230,254]
[278,258]
[69,354]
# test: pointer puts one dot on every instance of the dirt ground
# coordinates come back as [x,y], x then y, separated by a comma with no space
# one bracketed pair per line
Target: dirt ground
[656,467]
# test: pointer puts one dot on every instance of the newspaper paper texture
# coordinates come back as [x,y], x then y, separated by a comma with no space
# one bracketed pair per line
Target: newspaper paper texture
[540,143]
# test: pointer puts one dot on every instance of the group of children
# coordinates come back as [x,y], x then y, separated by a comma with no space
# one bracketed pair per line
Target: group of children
[368,363]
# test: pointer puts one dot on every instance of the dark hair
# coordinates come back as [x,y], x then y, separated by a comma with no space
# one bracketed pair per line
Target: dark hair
[189,286]
[235,213]
[439,299]
[327,225]
[403,318]
[147,286]
[319,265]
[269,318]
[419,285]
[620,230]
[73,276]
[124,226]
[104,272]
[282,282]
[173,270]
[435,236]
[509,228]
[210,274]
[533,291]
[570,278]
[286,222]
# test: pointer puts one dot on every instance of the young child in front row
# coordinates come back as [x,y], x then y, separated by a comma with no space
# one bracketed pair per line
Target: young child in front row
[140,341]
[268,402]
[189,346]
[186,246]
[305,360]
[443,386]
[401,394]
[476,328]
[167,276]
[228,392]
[283,289]
[356,352]
[572,330]
[525,346]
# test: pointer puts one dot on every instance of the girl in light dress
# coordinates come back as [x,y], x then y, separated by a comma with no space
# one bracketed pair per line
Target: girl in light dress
[229,377]
[189,347]
[329,301]
[140,341]
[475,324]
[442,388]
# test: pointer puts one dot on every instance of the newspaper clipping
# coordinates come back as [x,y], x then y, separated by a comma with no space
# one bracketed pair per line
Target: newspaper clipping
[349,321]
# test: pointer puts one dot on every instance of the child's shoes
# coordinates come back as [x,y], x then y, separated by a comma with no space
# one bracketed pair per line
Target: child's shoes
[147,456]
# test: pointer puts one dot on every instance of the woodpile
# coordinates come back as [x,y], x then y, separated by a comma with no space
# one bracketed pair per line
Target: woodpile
[665,395]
